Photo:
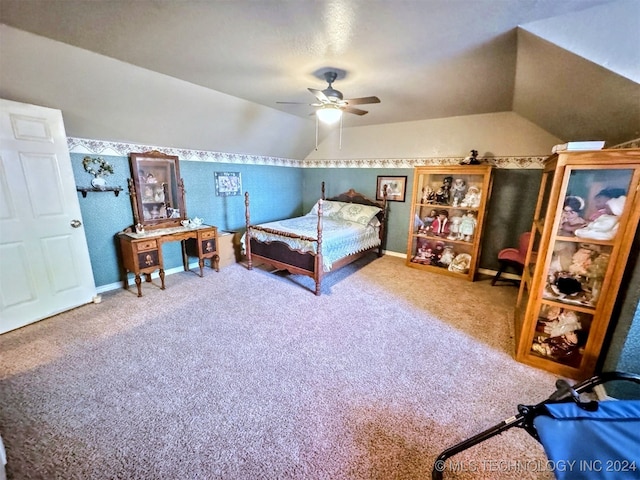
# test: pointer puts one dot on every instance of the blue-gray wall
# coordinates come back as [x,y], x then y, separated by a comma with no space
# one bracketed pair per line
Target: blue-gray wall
[510,210]
[275,192]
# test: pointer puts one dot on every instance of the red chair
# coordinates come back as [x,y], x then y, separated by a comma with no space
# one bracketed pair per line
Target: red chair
[513,257]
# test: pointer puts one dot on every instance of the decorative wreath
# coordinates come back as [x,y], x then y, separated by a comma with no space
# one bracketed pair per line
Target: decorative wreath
[98,167]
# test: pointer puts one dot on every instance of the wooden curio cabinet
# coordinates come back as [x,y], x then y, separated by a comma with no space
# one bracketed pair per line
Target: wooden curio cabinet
[584,223]
[447,216]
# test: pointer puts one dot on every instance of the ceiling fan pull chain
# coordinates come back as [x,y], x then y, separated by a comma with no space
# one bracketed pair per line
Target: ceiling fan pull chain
[340,144]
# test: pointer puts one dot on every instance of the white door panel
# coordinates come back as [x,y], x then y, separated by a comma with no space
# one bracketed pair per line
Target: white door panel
[44,260]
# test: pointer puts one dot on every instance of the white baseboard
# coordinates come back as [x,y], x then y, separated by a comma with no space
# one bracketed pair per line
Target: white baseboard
[132,282]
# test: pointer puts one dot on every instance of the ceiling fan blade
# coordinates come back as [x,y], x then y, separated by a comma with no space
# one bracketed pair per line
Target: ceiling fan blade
[356,111]
[362,100]
[319,94]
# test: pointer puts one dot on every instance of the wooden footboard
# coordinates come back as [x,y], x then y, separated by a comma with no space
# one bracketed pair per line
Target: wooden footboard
[282,257]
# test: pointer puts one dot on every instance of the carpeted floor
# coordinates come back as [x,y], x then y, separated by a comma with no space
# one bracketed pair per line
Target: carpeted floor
[248,375]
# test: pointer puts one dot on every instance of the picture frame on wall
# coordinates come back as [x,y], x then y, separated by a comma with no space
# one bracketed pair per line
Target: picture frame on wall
[228,184]
[396,188]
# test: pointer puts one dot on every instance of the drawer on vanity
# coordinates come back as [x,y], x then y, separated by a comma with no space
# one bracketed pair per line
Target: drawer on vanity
[145,245]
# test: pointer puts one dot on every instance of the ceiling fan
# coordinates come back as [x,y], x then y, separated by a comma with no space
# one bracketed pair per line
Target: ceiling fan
[331,102]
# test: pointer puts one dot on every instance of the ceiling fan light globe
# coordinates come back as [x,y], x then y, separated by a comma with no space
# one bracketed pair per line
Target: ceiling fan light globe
[329,114]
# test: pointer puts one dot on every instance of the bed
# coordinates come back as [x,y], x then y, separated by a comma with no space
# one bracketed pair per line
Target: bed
[336,232]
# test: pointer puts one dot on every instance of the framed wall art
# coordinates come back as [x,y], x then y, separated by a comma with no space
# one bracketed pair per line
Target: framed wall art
[396,188]
[228,184]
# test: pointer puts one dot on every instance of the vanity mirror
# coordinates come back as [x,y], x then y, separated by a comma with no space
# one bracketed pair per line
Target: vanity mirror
[157,190]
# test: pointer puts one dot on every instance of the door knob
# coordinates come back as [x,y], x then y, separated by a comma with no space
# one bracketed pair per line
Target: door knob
[76,223]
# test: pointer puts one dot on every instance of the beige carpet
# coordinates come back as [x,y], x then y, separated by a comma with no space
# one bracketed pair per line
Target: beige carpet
[248,375]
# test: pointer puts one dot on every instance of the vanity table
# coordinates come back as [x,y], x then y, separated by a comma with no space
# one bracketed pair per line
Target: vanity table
[142,252]
[157,201]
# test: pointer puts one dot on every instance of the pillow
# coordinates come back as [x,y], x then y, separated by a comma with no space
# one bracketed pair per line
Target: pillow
[374,222]
[328,208]
[355,212]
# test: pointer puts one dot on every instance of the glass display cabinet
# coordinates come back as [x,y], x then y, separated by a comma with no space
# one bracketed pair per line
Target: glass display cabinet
[157,191]
[584,224]
[447,217]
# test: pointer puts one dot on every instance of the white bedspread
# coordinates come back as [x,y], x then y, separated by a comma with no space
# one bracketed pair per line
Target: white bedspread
[340,238]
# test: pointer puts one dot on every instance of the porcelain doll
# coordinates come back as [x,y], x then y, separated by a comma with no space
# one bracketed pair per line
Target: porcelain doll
[560,348]
[428,195]
[443,195]
[581,261]
[447,256]
[459,188]
[454,228]
[472,197]
[605,226]
[440,225]
[428,221]
[571,219]
[468,226]
[566,322]
[471,159]
[601,199]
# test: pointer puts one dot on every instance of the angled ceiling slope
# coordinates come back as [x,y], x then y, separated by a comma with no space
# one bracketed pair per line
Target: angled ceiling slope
[571,97]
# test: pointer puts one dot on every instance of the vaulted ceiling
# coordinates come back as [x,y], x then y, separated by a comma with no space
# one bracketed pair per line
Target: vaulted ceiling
[424,59]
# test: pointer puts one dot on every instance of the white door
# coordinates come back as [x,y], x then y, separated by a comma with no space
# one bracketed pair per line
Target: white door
[44,259]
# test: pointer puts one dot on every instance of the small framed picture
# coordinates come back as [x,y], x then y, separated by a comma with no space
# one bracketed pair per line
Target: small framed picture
[228,184]
[396,188]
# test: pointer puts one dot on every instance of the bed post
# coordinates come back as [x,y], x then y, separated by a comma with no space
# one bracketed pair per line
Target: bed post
[247,236]
[383,234]
[319,267]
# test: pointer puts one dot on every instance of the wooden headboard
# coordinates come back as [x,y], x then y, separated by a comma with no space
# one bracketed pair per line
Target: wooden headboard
[352,196]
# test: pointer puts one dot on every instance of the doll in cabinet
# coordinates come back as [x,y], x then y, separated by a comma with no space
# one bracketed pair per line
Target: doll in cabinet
[585,221]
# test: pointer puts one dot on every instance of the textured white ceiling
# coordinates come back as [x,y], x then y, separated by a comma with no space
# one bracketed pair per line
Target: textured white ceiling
[423,58]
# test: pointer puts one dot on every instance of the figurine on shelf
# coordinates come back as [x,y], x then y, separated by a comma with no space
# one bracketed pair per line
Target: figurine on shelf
[605,226]
[562,341]
[454,228]
[570,221]
[459,188]
[151,178]
[468,226]
[428,195]
[559,348]
[566,322]
[428,220]
[158,195]
[581,261]
[443,194]
[472,159]
[595,273]
[460,263]
[472,197]
[447,256]
[440,225]
[423,255]
[438,249]
[601,199]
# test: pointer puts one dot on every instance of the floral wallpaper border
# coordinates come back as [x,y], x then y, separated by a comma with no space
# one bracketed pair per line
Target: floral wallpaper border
[101,147]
